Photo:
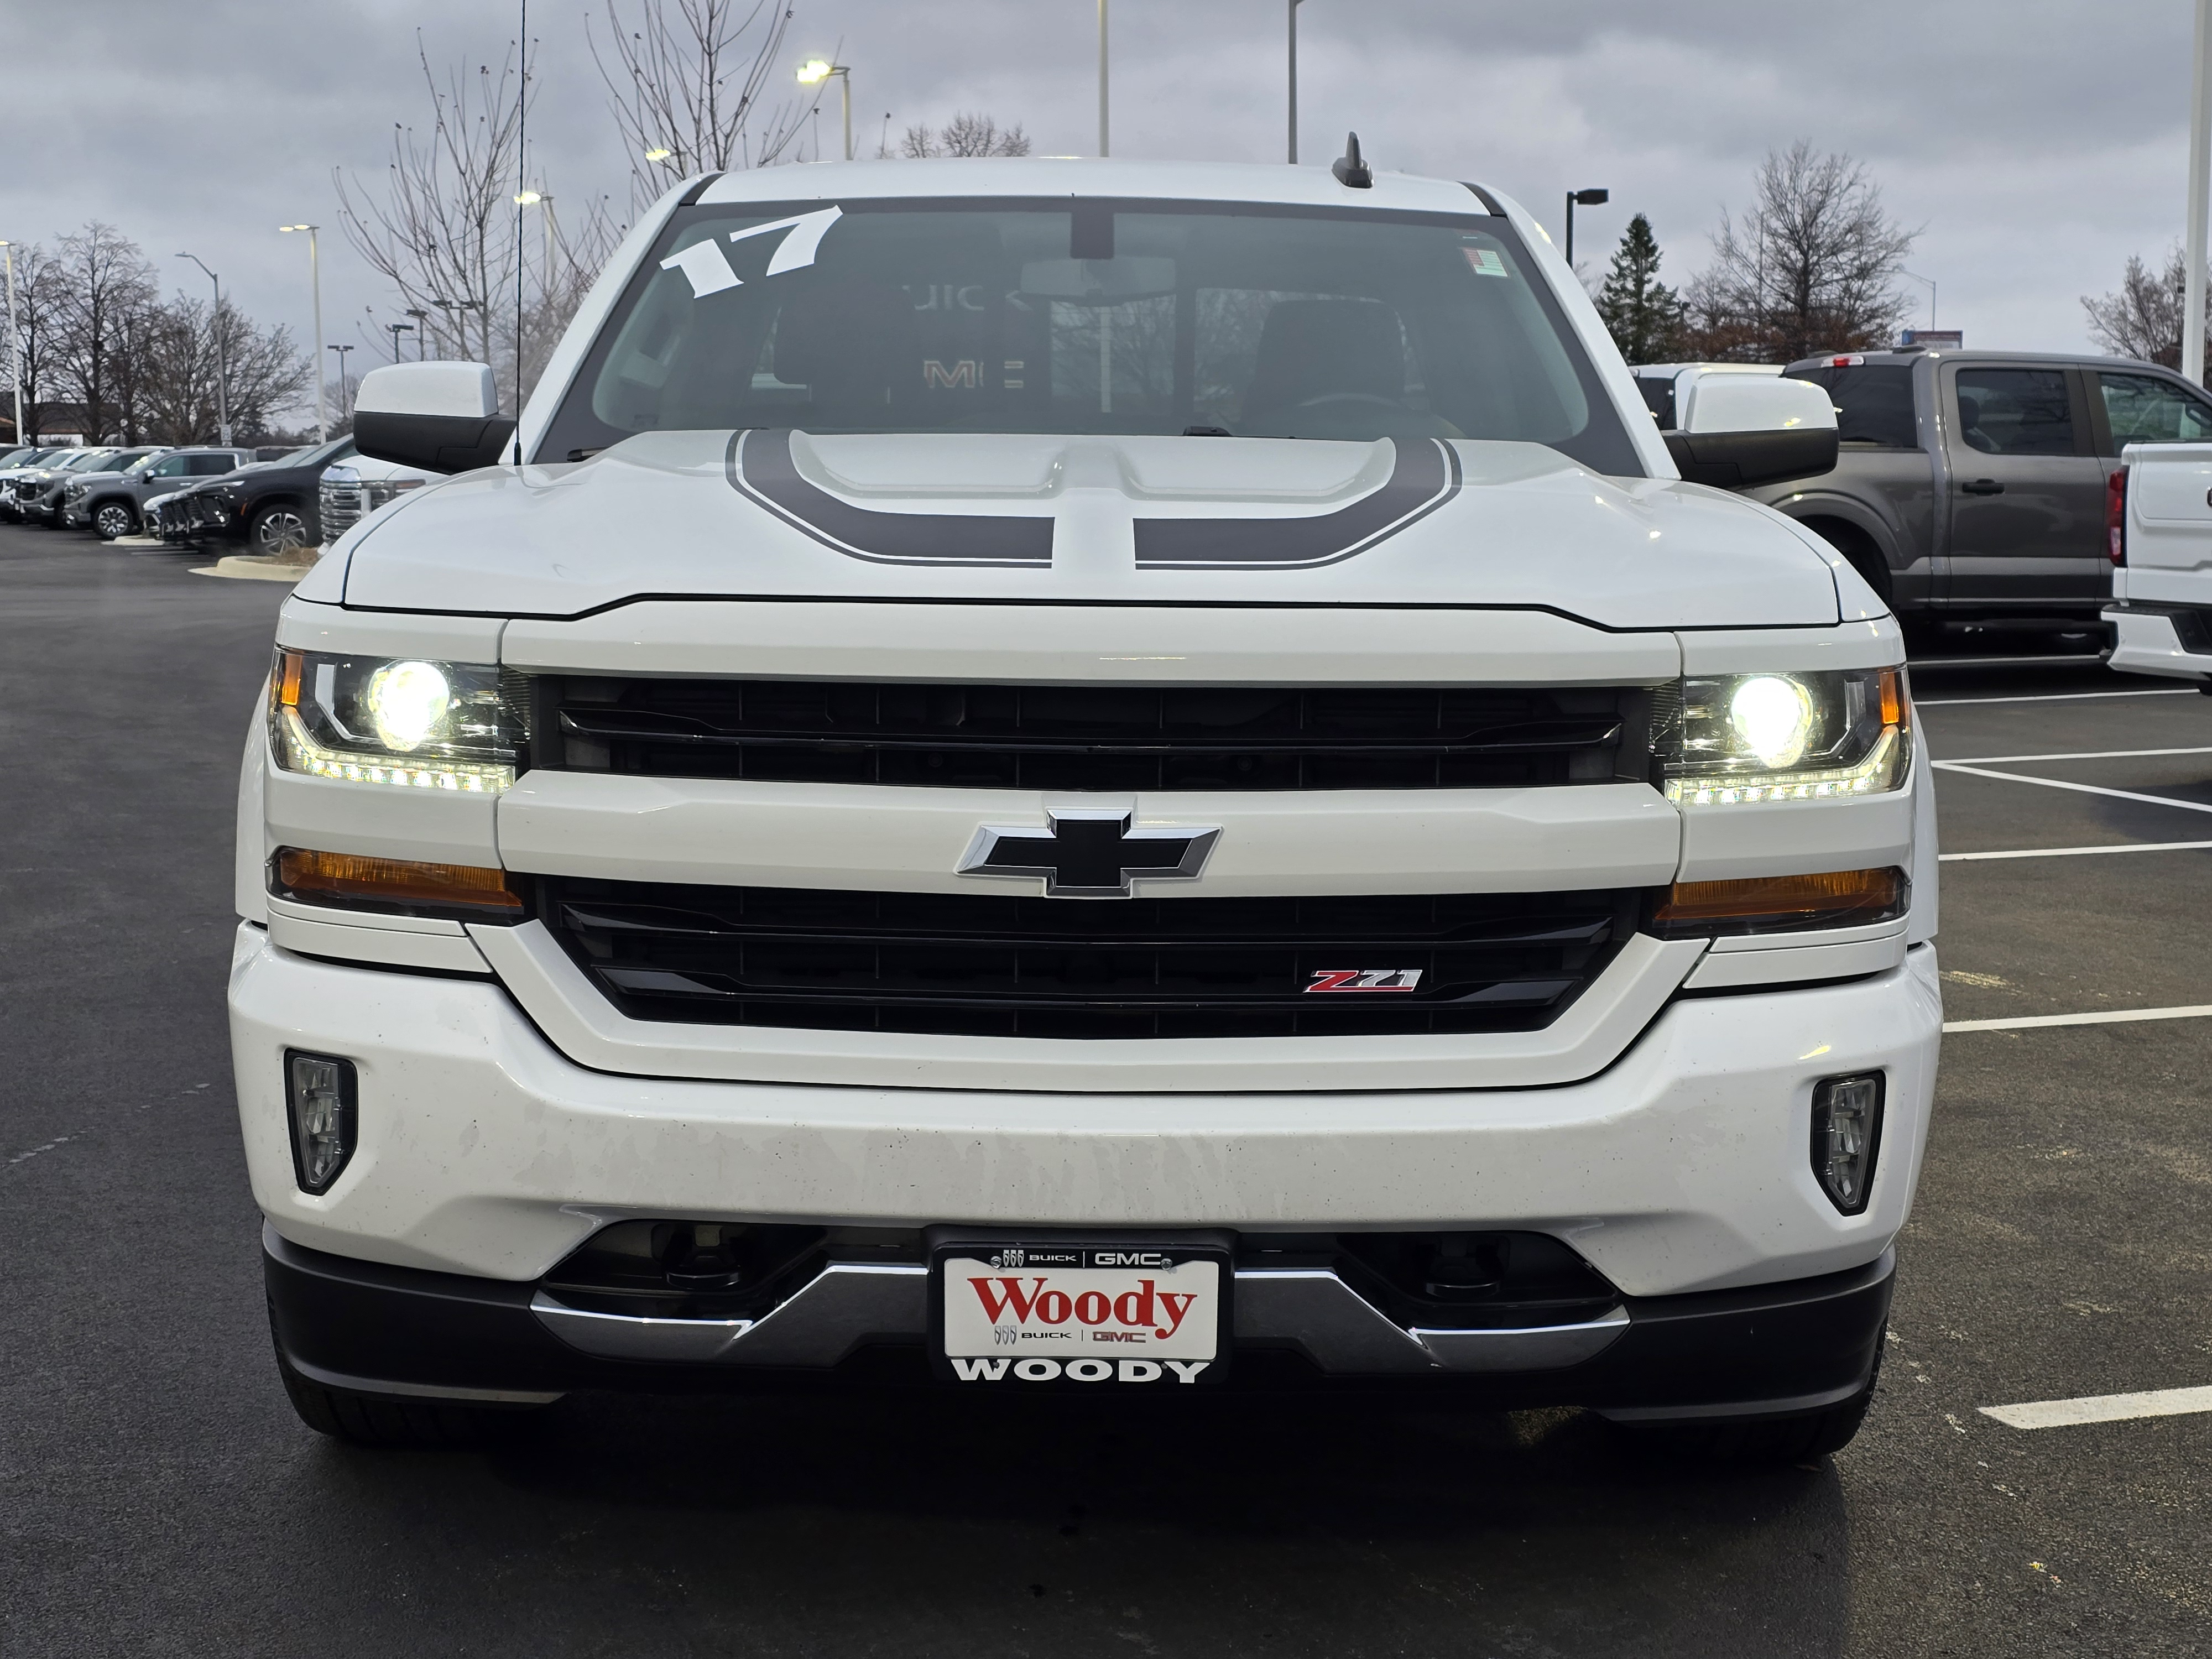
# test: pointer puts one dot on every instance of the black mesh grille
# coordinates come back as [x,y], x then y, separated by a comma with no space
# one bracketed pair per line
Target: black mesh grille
[1006,966]
[1094,737]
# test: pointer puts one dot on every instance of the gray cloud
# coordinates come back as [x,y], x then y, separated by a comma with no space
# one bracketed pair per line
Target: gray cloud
[2040,143]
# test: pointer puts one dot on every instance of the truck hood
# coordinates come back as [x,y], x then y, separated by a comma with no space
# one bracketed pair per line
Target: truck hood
[1155,521]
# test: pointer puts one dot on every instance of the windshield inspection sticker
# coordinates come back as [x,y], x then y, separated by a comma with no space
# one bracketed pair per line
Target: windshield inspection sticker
[708,267]
[1486,262]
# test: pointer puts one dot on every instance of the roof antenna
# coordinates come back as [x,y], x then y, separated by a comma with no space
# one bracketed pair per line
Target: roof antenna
[1350,172]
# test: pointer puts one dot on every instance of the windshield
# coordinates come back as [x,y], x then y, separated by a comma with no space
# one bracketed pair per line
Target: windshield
[1106,317]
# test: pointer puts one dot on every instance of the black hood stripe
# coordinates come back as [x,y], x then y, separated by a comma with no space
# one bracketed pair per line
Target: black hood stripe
[1425,476]
[761,469]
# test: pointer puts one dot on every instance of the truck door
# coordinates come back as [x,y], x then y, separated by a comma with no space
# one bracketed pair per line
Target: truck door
[2027,506]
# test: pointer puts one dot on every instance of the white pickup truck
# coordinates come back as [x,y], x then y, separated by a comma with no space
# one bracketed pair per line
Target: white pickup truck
[1057,775]
[2158,523]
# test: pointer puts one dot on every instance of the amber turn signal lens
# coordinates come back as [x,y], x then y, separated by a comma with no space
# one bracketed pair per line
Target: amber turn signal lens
[349,880]
[288,679]
[1894,703]
[1769,904]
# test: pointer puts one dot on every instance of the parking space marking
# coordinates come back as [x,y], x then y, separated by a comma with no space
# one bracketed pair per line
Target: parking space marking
[2101,1408]
[2045,697]
[2086,754]
[2079,788]
[2077,852]
[2103,1016]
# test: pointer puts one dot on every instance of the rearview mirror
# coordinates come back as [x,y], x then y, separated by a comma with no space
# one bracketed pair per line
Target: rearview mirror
[1740,430]
[439,417]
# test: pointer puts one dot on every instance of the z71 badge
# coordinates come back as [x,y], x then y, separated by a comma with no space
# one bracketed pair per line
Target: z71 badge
[1365,979]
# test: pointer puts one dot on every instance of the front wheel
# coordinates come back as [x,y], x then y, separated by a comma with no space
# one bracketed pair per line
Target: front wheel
[113,518]
[278,530]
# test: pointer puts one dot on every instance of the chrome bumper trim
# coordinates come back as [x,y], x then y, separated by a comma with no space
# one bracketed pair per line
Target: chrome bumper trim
[818,1324]
[1312,1309]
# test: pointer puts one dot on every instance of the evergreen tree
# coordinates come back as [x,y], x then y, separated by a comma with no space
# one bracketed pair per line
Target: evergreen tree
[1643,315]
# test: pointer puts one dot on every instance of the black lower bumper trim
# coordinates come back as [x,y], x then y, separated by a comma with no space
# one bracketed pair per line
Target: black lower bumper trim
[1769,1350]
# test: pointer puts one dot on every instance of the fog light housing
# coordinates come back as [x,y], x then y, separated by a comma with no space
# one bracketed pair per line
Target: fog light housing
[1846,1135]
[319,1095]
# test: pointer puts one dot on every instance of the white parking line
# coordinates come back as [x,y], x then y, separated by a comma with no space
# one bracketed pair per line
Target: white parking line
[2077,852]
[2106,1016]
[2101,1408]
[2087,754]
[2079,788]
[2045,696]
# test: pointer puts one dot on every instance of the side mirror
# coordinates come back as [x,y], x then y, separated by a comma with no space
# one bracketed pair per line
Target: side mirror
[1740,430]
[439,417]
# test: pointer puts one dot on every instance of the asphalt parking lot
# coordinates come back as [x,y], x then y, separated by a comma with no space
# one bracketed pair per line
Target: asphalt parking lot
[157,1495]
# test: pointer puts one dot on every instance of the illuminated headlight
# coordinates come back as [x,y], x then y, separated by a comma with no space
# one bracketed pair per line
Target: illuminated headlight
[1755,737]
[403,723]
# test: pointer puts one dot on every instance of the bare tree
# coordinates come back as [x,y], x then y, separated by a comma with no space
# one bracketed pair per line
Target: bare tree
[102,281]
[37,329]
[1812,267]
[686,85]
[173,363]
[965,134]
[2143,317]
[446,232]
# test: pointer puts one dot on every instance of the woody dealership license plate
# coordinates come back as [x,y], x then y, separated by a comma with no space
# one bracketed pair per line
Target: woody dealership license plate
[1081,1313]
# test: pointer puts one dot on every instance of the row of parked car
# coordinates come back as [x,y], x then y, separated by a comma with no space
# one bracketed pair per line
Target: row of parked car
[272,500]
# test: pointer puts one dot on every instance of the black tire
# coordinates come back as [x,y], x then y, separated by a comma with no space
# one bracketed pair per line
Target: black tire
[361,1419]
[113,518]
[1763,1440]
[279,527]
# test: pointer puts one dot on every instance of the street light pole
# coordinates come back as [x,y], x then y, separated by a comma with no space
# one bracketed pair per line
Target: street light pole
[420,317]
[14,342]
[1104,149]
[395,330]
[1294,82]
[315,275]
[2200,180]
[1931,281]
[342,350]
[813,72]
[221,359]
[1585,198]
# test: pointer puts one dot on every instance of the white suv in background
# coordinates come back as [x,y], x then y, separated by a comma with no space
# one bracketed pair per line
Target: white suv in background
[1061,776]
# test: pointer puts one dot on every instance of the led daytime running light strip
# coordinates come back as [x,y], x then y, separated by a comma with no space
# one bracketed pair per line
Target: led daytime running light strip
[303,754]
[1869,776]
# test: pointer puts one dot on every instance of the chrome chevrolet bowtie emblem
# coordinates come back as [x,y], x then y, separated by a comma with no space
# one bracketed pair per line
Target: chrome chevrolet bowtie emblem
[1089,854]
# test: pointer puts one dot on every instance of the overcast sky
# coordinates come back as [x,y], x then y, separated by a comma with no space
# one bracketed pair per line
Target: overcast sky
[2038,142]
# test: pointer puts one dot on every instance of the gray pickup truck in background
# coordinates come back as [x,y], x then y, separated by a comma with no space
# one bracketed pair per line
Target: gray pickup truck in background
[1970,486]
[113,504]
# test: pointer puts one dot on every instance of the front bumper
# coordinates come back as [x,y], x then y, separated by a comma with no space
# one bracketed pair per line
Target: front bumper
[403,1333]
[1683,1166]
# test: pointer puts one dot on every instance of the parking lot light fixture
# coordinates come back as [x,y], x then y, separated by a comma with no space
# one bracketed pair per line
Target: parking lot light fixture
[1581,198]
[221,358]
[814,71]
[315,277]
[661,155]
[342,350]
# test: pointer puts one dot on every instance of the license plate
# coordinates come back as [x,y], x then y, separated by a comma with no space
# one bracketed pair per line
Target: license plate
[1081,1313]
